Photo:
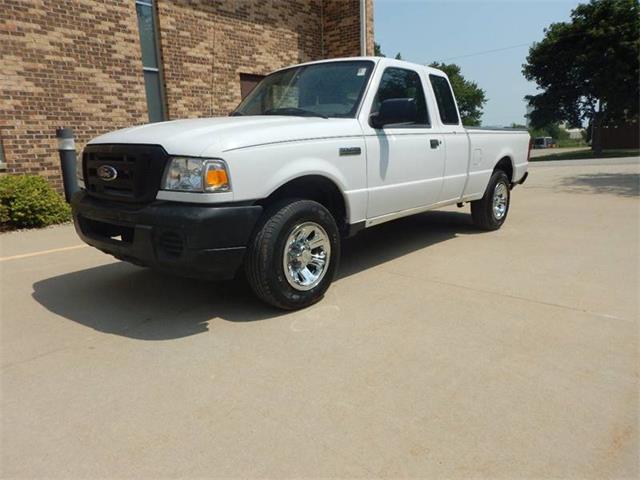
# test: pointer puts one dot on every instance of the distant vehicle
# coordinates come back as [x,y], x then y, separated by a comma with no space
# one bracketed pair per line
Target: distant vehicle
[315,153]
[543,142]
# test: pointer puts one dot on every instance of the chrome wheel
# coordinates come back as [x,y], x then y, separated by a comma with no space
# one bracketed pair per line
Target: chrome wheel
[307,253]
[500,200]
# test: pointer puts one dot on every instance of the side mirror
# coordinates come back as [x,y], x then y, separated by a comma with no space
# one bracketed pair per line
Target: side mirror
[394,110]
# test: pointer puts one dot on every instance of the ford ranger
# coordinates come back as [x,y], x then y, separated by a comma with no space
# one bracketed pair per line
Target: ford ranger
[315,153]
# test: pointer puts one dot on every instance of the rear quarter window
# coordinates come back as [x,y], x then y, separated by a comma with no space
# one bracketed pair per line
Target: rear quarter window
[445,100]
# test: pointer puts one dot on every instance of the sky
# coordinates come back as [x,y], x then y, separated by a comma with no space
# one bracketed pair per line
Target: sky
[457,31]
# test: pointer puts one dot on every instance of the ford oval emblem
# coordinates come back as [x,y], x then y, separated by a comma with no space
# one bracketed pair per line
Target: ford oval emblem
[107,173]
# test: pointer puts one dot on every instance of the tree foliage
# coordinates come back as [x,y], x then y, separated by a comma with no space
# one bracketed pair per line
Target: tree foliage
[377,52]
[591,60]
[552,130]
[471,98]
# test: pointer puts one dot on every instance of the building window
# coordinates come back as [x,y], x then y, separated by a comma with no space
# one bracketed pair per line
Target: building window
[248,82]
[151,60]
[3,163]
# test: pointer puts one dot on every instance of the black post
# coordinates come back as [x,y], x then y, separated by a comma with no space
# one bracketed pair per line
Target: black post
[67,150]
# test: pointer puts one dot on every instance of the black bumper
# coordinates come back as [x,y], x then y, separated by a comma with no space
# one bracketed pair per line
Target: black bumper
[185,239]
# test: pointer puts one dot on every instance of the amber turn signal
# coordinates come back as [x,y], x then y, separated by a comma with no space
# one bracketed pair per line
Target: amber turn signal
[216,178]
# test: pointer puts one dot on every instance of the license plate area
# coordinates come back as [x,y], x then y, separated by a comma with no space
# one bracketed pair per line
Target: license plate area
[107,231]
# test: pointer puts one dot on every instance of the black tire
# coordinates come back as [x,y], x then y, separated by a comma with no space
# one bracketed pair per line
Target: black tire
[264,261]
[482,211]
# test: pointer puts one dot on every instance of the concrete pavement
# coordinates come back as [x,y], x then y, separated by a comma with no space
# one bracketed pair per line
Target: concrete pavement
[440,351]
[541,152]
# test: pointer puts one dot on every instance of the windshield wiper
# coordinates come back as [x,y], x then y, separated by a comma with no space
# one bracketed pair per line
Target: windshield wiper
[236,114]
[293,111]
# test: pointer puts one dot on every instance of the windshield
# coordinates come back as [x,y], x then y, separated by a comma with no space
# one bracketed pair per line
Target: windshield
[331,89]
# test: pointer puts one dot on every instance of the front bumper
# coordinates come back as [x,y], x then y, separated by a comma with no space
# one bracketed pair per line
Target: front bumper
[185,239]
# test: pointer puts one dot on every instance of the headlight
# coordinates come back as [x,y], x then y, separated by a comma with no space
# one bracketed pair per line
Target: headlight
[196,175]
[79,174]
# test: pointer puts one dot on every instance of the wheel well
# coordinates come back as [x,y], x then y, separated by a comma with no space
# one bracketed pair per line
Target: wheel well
[506,166]
[317,188]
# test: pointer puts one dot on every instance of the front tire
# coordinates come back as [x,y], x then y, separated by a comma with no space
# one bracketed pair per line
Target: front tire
[293,257]
[490,212]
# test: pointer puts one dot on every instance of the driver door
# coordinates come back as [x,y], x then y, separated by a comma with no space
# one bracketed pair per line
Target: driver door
[405,160]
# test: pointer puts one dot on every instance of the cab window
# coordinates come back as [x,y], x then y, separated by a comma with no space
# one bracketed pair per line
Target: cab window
[402,83]
[445,100]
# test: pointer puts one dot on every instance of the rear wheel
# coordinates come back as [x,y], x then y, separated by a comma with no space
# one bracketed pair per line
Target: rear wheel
[292,258]
[490,212]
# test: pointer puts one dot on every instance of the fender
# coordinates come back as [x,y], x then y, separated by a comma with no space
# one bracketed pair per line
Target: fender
[505,152]
[312,167]
[258,172]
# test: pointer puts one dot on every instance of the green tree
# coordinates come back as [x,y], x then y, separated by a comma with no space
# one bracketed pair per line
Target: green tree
[471,98]
[377,52]
[588,68]
[552,130]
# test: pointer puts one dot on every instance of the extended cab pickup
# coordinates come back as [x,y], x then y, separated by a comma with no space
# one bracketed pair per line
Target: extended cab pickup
[315,153]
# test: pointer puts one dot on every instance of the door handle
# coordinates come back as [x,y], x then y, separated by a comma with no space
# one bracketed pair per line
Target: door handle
[434,143]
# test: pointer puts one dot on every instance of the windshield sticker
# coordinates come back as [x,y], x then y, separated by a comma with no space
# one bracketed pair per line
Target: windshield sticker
[362,71]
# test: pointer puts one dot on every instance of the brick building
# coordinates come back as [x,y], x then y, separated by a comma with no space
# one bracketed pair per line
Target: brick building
[96,65]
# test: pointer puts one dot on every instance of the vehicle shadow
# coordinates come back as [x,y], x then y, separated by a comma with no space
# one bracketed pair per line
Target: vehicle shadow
[139,303]
[621,184]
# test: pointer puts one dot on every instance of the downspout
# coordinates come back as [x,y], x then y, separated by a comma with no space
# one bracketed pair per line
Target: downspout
[363,28]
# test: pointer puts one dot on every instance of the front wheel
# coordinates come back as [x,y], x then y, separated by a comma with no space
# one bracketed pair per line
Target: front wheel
[292,258]
[490,212]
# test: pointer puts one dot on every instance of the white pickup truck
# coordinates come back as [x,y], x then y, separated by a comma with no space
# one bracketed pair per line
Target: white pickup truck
[316,152]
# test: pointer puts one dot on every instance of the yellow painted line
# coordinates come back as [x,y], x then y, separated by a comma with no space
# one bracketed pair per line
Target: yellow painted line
[42,252]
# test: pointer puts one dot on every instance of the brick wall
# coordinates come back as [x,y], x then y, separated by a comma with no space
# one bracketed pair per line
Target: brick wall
[76,63]
[342,28]
[206,46]
[73,63]
[370,31]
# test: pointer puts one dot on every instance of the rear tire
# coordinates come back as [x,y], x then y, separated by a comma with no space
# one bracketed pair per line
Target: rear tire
[293,256]
[490,212]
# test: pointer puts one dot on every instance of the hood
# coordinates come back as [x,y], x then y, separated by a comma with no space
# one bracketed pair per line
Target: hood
[213,136]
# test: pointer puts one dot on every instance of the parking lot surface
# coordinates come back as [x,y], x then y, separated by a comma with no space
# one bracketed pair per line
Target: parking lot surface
[440,351]
[541,152]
